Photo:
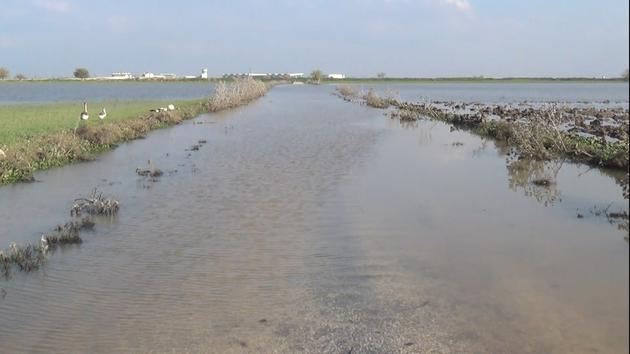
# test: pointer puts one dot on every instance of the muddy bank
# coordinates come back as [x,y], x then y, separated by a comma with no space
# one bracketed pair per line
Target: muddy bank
[593,135]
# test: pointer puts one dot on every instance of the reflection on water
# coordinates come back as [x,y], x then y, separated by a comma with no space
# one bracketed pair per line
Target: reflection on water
[535,178]
[307,224]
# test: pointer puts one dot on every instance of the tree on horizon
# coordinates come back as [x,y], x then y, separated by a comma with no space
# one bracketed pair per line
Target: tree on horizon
[81,73]
[4,73]
[316,75]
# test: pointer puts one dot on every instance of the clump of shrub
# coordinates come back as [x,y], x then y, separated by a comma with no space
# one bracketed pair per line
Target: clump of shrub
[26,258]
[68,233]
[372,99]
[30,257]
[539,136]
[348,92]
[95,204]
[236,93]
[150,171]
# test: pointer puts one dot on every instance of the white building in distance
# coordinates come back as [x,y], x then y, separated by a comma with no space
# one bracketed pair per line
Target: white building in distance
[204,73]
[148,75]
[121,76]
[336,76]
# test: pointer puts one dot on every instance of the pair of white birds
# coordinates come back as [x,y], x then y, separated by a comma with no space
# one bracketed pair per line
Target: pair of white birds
[85,116]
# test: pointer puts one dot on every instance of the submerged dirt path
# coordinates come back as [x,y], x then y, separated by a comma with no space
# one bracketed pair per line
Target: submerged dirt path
[309,225]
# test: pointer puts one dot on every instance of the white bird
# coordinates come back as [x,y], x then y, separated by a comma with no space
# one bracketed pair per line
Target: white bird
[102,114]
[171,107]
[2,154]
[163,109]
[44,243]
[84,114]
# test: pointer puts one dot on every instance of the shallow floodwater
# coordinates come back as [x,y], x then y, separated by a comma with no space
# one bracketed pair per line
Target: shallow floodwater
[46,92]
[615,93]
[308,224]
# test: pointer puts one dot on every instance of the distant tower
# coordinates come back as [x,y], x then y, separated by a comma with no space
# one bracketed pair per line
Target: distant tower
[204,73]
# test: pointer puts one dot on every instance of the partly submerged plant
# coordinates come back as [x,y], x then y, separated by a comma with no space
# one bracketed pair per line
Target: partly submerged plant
[95,204]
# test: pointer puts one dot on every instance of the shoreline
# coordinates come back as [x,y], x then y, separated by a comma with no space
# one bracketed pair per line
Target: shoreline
[26,155]
[349,80]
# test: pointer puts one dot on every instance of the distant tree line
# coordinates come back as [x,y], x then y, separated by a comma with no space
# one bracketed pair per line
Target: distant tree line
[79,73]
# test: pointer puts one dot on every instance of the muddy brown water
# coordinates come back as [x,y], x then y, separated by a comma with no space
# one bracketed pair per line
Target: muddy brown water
[308,224]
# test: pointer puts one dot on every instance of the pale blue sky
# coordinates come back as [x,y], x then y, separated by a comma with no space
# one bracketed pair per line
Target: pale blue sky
[356,37]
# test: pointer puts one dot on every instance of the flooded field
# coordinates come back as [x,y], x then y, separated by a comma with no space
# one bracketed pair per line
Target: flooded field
[613,93]
[47,92]
[310,224]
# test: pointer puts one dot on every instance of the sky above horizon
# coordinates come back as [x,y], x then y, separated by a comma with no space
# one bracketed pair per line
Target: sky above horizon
[411,38]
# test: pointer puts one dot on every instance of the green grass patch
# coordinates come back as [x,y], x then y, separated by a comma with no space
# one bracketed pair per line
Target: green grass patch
[21,121]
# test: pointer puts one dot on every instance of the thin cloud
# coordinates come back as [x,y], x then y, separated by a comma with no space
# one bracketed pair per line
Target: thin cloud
[6,42]
[461,5]
[118,24]
[53,5]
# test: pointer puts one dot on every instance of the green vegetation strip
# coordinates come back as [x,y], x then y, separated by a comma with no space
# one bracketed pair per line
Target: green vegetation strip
[23,121]
[39,137]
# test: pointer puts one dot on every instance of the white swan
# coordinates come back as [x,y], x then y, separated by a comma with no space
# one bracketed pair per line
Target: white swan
[84,114]
[102,114]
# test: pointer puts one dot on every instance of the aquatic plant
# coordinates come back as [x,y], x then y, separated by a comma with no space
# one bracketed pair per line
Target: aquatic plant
[150,171]
[95,204]
[348,92]
[30,257]
[372,99]
[26,258]
[68,233]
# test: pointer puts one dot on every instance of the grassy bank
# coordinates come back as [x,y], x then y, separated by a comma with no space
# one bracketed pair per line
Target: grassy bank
[23,121]
[39,137]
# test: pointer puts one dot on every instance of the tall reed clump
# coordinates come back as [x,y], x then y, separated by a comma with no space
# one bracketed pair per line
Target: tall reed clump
[372,99]
[239,92]
[26,258]
[348,92]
